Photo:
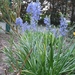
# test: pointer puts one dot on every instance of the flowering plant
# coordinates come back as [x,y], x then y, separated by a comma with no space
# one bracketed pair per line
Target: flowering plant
[61,31]
[34,9]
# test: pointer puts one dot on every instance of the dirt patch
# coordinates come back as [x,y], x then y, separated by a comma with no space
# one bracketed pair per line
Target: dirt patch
[3,42]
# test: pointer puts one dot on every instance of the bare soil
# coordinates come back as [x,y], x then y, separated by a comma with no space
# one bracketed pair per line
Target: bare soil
[3,42]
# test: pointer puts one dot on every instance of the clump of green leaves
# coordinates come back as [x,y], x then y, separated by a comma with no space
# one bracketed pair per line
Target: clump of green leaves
[26,18]
[40,53]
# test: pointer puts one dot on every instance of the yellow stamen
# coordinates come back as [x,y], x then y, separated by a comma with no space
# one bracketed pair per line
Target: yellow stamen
[74,33]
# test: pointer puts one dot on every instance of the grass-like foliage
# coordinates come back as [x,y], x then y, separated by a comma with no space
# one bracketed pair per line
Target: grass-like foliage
[38,53]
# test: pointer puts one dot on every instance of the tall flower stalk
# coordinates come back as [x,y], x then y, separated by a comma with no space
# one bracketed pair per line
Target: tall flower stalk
[34,10]
[47,22]
[33,24]
[63,26]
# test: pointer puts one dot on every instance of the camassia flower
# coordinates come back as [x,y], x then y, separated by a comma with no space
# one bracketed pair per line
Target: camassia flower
[19,21]
[33,24]
[25,26]
[34,9]
[47,22]
[63,26]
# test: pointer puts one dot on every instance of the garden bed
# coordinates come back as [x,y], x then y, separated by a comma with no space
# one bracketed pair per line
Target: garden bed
[3,42]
